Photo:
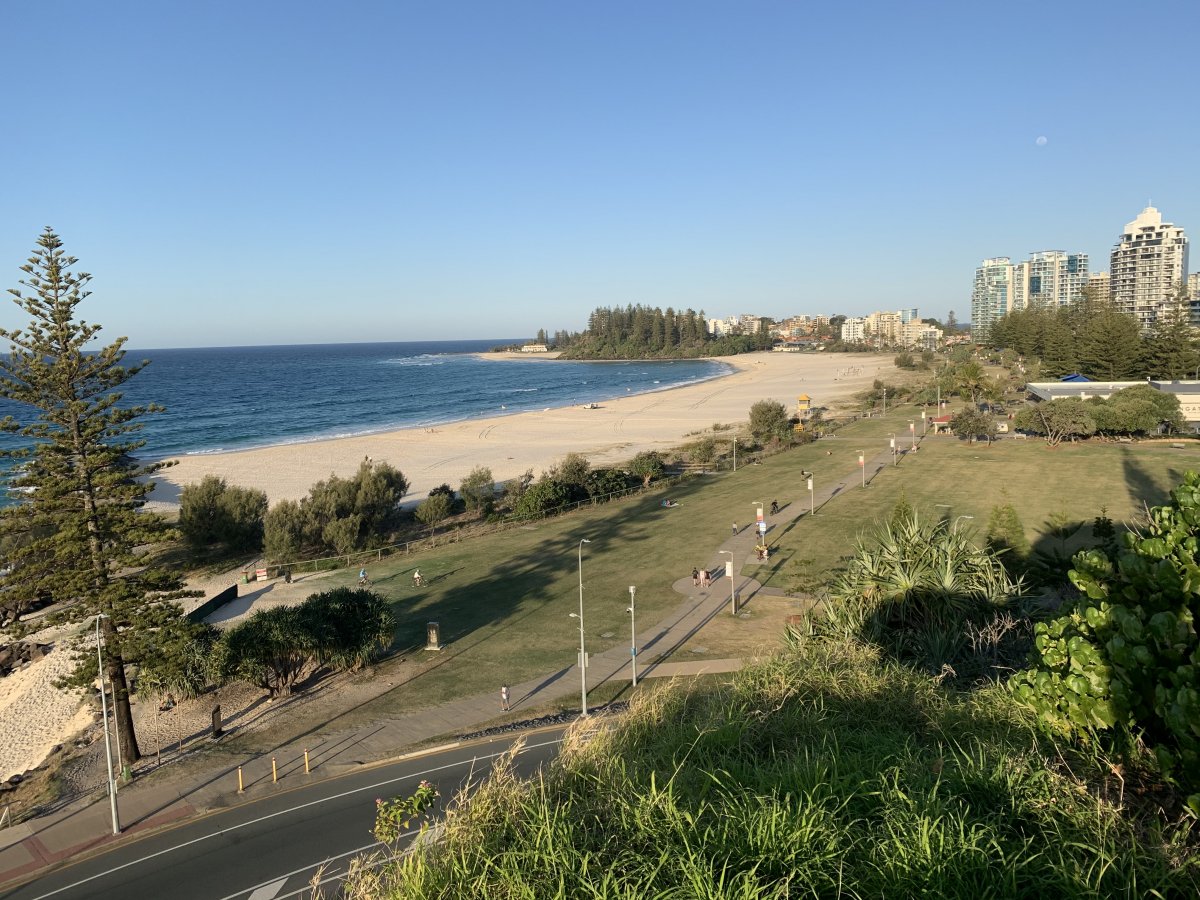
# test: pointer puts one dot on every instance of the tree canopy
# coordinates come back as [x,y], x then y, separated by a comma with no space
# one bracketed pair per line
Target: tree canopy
[84,537]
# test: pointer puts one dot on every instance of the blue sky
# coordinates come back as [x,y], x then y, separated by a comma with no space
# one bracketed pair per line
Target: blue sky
[293,172]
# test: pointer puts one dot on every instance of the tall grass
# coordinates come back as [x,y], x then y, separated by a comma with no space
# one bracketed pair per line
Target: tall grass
[825,771]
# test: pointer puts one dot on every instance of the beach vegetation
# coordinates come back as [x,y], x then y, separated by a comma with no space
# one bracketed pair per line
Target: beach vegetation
[340,515]
[825,770]
[283,531]
[704,451]
[643,332]
[545,496]
[433,510]
[647,466]
[478,491]
[177,660]
[572,469]
[604,483]
[212,512]
[769,421]
[343,629]
[86,540]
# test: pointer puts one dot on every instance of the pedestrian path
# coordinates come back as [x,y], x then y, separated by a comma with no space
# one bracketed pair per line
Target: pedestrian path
[171,795]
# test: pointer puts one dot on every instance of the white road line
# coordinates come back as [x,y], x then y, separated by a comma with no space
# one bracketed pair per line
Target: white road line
[286,875]
[284,812]
[268,891]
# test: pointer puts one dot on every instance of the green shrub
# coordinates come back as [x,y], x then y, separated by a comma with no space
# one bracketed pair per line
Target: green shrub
[769,421]
[478,490]
[1125,656]
[211,512]
[544,497]
[433,509]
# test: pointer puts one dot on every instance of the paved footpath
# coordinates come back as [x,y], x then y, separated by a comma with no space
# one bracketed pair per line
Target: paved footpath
[176,793]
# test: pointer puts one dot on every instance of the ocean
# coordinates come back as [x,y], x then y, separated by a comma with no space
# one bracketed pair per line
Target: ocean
[234,398]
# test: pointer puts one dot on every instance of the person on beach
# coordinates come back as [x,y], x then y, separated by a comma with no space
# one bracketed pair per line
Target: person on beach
[695,577]
[504,704]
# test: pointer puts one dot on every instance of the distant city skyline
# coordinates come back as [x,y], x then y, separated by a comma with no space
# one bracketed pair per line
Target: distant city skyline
[278,173]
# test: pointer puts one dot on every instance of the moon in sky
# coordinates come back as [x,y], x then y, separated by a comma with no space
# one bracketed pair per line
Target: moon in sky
[1041,141]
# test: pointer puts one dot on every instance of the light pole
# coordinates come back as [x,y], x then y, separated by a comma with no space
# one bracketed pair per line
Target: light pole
[112,787]
[912,430]
[735,454]
[959,519]
[924,423]
[633,632]
[862,464]
[732,595]
[582,650]
[885,401]
[892,442]
[812,501]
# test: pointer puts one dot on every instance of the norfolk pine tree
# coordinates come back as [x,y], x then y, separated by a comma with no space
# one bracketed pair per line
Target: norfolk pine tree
[83,534]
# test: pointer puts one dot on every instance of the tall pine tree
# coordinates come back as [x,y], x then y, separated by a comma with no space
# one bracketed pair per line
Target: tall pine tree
[79,535]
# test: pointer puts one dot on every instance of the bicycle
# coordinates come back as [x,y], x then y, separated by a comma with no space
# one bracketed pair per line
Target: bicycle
[418,580]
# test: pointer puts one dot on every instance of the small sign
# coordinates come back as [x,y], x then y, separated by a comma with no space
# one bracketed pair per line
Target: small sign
[729,568]
[762,527]
[260,574]
[433,636]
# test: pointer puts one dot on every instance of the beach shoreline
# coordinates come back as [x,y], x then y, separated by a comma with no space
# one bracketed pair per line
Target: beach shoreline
[606,433]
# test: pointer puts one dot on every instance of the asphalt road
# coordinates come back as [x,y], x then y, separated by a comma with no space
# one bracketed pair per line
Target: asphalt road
[271,849]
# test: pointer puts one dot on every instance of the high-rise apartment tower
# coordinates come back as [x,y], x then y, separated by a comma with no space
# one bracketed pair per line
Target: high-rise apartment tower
[1148,264]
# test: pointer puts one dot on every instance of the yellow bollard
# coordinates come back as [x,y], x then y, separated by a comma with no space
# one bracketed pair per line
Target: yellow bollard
[241,787]
[306,769]
[274,772]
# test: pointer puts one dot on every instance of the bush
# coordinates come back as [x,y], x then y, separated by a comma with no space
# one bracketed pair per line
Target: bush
[433,509]
[1124,657]
[211,512]
[546,496]
[283,531]
[647,466]
[343,628]
[769,421]
[478,490]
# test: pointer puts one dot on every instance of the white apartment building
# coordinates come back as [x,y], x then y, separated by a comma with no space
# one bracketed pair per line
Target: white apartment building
[1098,285]
[919,335]
[1049,279]
[883,328]
[1147,265]
[991,295]
[854,330]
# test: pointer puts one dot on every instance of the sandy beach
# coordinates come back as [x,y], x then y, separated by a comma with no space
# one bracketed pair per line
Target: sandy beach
[509,445]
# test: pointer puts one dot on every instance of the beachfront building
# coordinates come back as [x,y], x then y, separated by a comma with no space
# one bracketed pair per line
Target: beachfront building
[1049,279]
[883,328]
[718,327]
[1098,286]
[920,335]
[854,330]
[1148,263]
[908,315]
[991,295]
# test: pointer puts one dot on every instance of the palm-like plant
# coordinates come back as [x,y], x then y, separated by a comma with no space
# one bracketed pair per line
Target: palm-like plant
[910,579]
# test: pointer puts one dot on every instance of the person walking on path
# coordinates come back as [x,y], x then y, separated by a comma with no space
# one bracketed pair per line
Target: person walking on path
[504,704]
[735,528]
[695,577]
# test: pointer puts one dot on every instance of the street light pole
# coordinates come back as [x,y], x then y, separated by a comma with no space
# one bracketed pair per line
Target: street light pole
[912,430]
[633,632]
[732,595]
[959,519]
[862,464]
[924,423]
[582,650]
[112,787]
[892,441]
[735,454]
[812,500]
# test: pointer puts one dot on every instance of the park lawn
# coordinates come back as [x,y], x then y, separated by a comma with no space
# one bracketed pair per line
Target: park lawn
[950,478]
[502,600]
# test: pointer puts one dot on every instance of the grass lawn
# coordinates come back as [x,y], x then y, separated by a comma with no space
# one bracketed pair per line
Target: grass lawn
[503,600]
[950,478]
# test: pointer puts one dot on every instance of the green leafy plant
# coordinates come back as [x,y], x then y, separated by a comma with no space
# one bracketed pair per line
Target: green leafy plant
[1124,657]
[393,817]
